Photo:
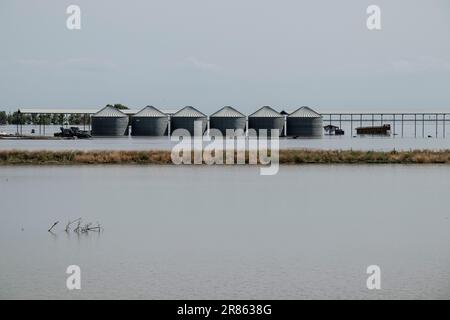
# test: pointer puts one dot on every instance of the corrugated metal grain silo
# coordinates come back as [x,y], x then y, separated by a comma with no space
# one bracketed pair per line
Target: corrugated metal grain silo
[266,118]
[149,122]
[305,122]
[186,118]
[227,118]
[109,121]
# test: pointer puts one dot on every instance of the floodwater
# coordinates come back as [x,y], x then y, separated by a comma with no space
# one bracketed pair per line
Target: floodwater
[218,232]
[411,140]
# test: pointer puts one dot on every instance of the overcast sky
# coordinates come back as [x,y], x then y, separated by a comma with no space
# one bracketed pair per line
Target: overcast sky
[211,53]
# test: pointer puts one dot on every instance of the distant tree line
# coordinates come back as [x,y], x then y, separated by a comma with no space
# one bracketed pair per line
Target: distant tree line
[48,119]
[3,118]
[118,106]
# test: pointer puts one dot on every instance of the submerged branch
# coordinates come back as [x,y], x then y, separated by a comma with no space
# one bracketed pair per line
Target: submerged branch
[80,228]
[54,224]
[71,222]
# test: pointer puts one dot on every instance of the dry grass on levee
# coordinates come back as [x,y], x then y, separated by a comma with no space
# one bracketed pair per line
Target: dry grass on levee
[16,157]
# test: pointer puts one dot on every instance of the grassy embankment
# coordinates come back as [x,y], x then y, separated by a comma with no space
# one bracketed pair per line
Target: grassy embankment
[163,157]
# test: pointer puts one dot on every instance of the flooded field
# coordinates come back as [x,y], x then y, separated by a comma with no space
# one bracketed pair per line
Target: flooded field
[346,142]
[226,232]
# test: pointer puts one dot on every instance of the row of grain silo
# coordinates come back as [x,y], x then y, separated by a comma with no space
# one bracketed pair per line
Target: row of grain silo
[266,118]
[109,121]
[303,122]
[186,119]
[150,122]
[227,118]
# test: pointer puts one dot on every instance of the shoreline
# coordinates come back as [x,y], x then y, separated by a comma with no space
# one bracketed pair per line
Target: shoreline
[162,157]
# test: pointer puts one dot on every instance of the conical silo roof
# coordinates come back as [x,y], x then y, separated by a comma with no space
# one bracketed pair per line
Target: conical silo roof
[150,112]
[109,112]
[266,112]
[304,112]
[228,112]
[189,112]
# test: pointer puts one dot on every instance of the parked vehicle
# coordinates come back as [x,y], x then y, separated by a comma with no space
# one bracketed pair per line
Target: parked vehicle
[73,132]
[330,130]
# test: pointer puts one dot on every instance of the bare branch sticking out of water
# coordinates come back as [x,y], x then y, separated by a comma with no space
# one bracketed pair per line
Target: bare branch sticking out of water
[85,228]
[77,229]
[96,228]
[71,222]
[80,227]
[88,227]
[54,224]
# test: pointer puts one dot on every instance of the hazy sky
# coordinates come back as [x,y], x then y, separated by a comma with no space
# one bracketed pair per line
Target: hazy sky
[211,53]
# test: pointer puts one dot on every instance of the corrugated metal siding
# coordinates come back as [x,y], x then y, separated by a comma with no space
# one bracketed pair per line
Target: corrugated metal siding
[149,126]
[109,126]
[187,123]
[150,111]
[223,123]
[268,123]
[58,111]
[189,112]
[149,122]
[304,112]
[265,112]
[304,122]
[227,112]
[107,112]
[109,122]
[305,127]
[227,118]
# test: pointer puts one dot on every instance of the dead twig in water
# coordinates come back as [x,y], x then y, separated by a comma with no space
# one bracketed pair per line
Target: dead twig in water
[77,229]
[86,227]
[54,224]
[71,222]
[96,229]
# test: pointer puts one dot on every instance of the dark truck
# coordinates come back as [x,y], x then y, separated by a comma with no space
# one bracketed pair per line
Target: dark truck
[73,132]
